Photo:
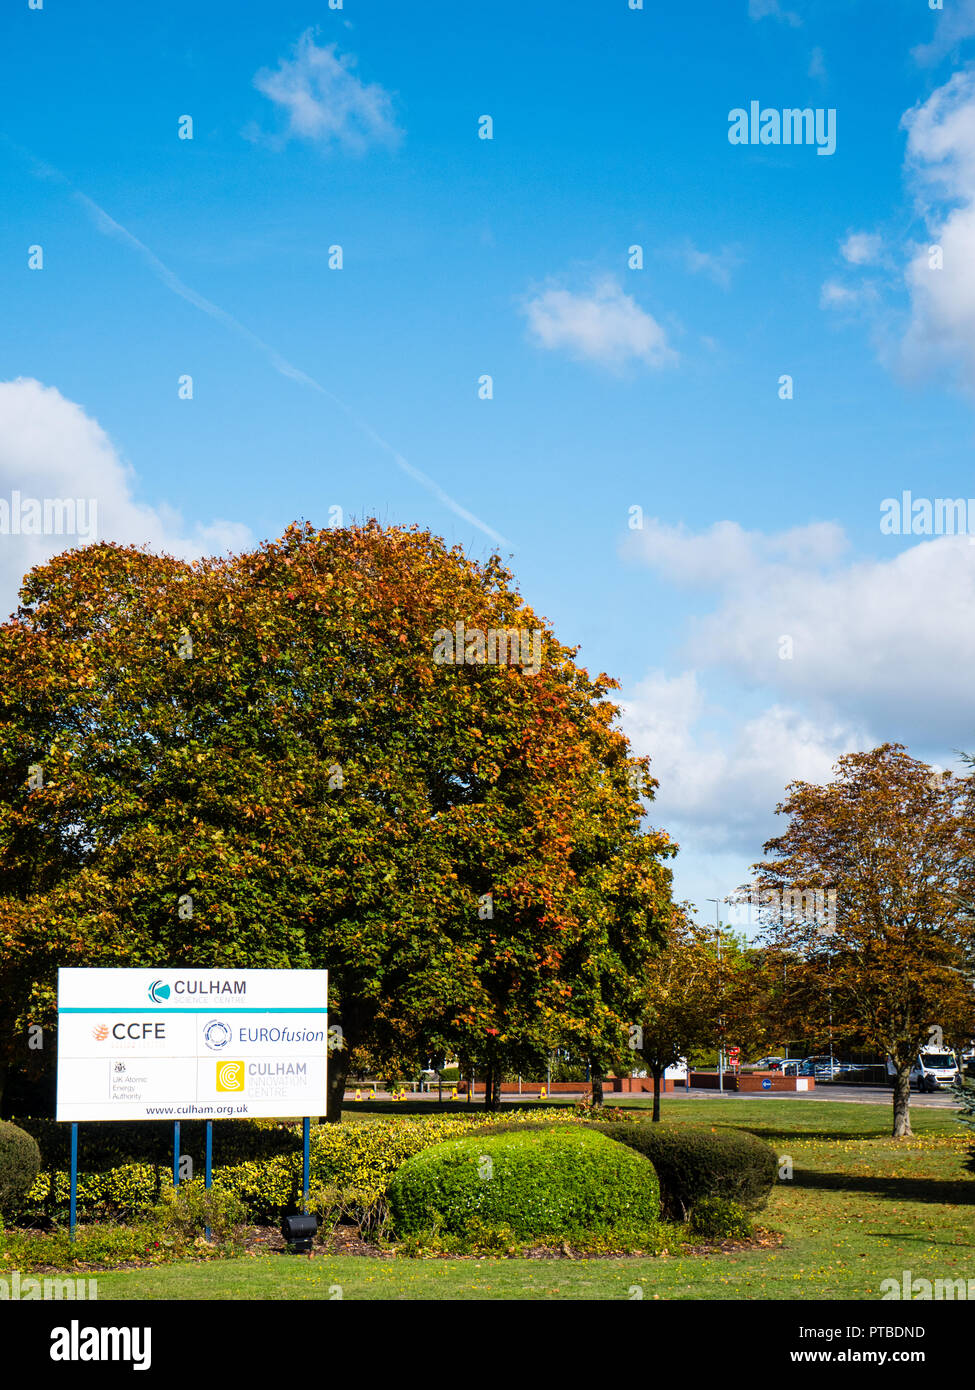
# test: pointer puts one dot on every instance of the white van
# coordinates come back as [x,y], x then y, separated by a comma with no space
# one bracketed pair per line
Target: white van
[931,1070]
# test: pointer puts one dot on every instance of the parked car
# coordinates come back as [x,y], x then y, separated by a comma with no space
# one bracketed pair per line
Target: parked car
[821,1068]
[768,1064]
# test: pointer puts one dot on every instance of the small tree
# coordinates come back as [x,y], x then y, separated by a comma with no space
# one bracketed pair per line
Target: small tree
[681,1001]
[895,843]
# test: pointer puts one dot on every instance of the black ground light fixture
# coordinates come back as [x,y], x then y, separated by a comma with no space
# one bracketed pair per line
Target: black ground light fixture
[299,1232]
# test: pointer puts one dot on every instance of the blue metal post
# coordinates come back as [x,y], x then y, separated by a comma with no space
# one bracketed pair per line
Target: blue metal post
[209,1165]
[176,1153]
[74,1179]
[305,1162]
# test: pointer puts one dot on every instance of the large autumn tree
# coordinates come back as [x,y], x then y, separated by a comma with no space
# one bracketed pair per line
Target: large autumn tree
[261,761]
[895,842]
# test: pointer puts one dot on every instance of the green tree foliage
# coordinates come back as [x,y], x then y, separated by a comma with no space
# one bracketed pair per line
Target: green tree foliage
[256,761]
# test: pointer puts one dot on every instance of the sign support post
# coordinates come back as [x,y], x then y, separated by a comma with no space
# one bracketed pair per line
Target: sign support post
[176,1153]
[72,1219]
[208,1165]
[305,1161]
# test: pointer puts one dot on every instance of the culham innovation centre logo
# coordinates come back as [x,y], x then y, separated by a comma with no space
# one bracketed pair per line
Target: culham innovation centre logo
[230,1076]
[158,991]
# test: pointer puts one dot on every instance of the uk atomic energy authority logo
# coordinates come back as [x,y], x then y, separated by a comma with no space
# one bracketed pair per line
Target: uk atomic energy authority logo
[230,1076]
[216,1035]
[158,991]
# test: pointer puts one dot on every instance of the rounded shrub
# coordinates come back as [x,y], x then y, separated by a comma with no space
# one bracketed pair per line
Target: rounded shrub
[555,1182]
[695,1161]
[20,1163]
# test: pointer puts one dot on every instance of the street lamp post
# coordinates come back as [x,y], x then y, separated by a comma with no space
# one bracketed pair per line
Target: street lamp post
[717,927]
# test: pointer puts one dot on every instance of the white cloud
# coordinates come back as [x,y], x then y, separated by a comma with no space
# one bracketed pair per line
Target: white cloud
[325,102]
[51,449]
[719,791]
[862,248]
[936,330]
[726,554]
[817,65]
[834,295]
[941,135]
[717,265]
[771,9]
[955,24]
[604,325]
[941,158]
[855,298]
[885,644]
[880,650]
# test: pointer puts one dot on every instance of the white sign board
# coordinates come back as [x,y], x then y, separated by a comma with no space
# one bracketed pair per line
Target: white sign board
[191,1044]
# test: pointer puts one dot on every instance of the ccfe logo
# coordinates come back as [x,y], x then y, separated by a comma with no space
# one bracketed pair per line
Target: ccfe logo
[158,991]
[100,1032]
[216,1035]
[230,1076]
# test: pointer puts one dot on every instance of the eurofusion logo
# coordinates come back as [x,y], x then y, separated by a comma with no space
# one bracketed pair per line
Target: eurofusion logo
[158,991]
[216,1035]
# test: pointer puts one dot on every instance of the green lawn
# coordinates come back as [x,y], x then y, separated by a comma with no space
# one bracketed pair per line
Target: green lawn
[859,1209]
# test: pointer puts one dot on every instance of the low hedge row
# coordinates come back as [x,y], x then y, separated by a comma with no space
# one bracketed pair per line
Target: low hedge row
[694,1162]
[357,1158]
[559,1181]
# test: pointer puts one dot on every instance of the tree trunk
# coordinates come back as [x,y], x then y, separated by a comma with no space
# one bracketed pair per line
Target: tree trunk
[597,1086]
[656,1071]
[902,1103]
[492,1086]
[338,1069]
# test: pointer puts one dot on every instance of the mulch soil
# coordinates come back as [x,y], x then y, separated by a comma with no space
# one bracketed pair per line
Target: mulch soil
[346,1240]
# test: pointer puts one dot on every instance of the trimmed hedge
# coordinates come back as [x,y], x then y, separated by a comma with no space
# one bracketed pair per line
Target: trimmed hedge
[359,1159]
[694,1161]
[20,1161]
[555,1182]
[124,1191]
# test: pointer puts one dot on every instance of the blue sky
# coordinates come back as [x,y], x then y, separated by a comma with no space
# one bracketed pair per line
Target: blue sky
[613,387]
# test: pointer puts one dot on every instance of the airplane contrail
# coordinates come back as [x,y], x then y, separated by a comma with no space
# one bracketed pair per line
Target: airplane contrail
[109,227]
